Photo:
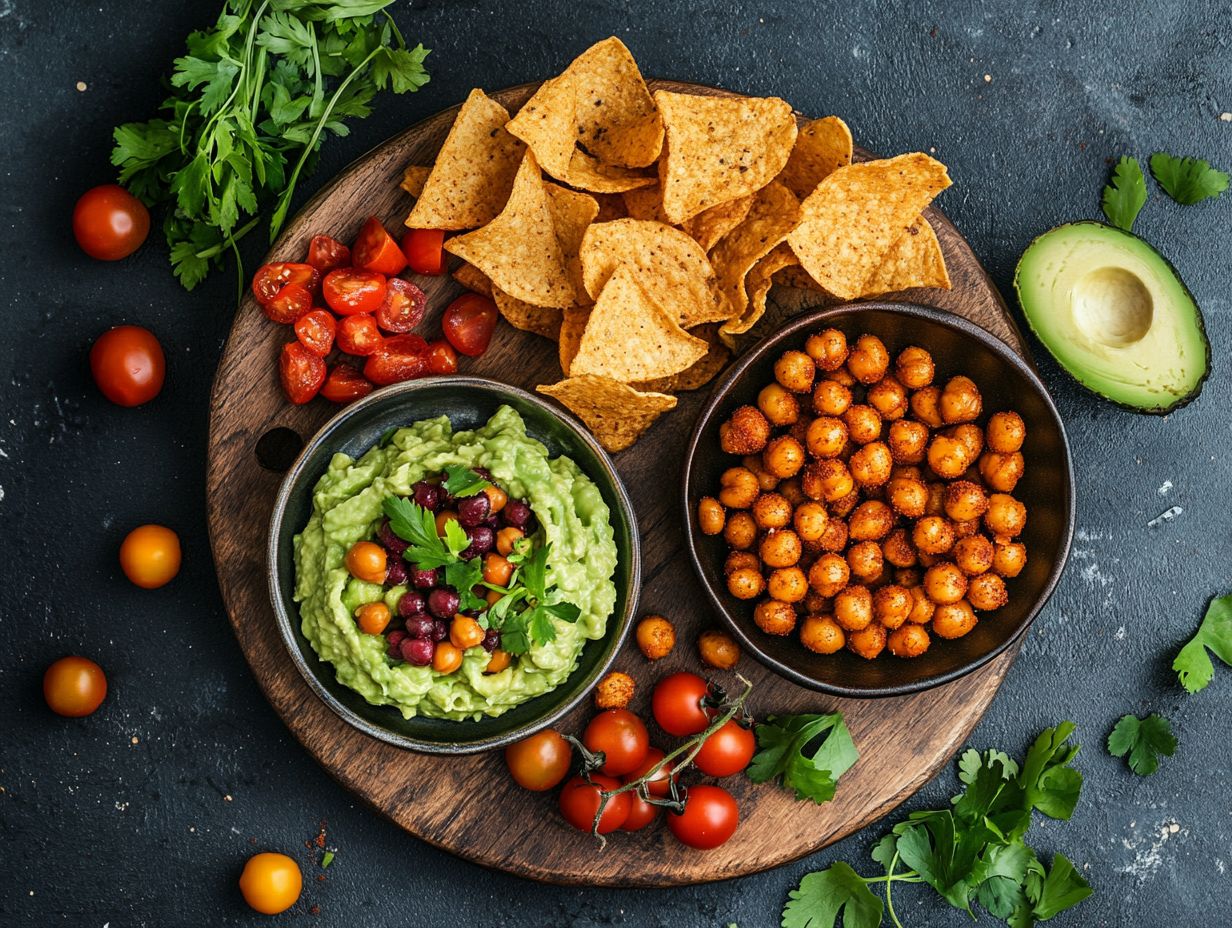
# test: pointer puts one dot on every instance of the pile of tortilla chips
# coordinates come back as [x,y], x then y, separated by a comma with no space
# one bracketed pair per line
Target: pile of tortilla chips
[643,231]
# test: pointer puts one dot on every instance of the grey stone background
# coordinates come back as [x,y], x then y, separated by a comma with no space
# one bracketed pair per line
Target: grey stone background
[144,813]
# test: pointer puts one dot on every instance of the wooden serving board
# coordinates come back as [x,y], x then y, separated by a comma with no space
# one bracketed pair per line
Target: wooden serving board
[902,741]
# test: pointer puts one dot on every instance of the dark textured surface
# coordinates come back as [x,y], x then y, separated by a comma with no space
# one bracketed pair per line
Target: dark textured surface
[144,813]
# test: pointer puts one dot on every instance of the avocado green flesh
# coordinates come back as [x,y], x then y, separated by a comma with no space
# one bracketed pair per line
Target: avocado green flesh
[1115,314]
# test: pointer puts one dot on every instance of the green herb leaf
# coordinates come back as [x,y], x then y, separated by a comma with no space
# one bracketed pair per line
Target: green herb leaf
[455,537]
[462,481]
[1125,194]
[1143,740]
[821,896]
[1187,180]
[534,573]
[326,859]
[1061,889]
[808,752]
[464,576]
[1049,784]
[1192,665]
[415,524]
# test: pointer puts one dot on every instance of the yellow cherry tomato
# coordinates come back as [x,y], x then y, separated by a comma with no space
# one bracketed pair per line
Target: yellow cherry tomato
[373,617]
[150,556]
[271,883]
[366,560]
[74,686]
[447,658]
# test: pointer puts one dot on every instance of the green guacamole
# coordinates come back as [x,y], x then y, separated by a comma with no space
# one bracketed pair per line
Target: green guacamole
[346,508]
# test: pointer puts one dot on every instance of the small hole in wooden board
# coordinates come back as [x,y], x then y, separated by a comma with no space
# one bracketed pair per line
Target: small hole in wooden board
[277,449]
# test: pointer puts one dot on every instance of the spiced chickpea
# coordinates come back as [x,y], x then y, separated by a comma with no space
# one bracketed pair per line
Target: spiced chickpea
[948,457]
[780,548]
[829,574]
[842,508]
[790,490]
[914,368]
[932,535]
[827,480]
[809,520]
[842,375]
[783,457]
[863,423]
[814,603]
[953,620]
[834,538]
[970,435]
[1001,472]
[927,559]
[867,642]
[711,516]
[746,432]
[889,398]
[936,499]
[868,360]
[828,349]
[656,637]
[787,584]
[908,441]
[964,500]
[891,605]
[960,401]
[765,481]
[987,592]
[910,577]
[872,520]
[615,691]
[1005,432]
[974,554]
[738,488]
[922,608]
[1009,559]
[865,561]
[945,583]
[964,528]
[820,633]
[774,618]
[831,398]
[740,531]
[907,470]
[1005,515]
[853,607]
[898,550]
[826,437]
[738,559]
[770,510]
[718,649]
[746,583]
[795,370]
[925,406]
[907,496]
[908,641]
[871,465]
[778,405]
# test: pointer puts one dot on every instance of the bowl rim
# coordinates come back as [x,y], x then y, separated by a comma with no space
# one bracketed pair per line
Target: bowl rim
[1022,363]
[286,627]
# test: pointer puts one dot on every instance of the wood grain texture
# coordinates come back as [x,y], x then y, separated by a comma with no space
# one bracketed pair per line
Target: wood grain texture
[902,741]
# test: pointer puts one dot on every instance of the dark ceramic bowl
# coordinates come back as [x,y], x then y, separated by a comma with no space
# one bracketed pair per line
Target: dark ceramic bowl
[1006,382]
[468,402]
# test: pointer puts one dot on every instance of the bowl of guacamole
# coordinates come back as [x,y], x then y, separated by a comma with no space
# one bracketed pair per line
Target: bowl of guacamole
[550,623]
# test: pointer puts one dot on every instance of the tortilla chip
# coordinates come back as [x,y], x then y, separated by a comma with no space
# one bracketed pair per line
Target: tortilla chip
[474,170]
[414,178]
[851,221]
[671,264]
[797,277]
[611,206]
[757,285]
[518,250]
[914,261]
[645,203]
[572,213]
[571,328]
[822,147]
[710,225]
[700,374]
[615,412]
[542,320]
[474,279]
[774,213]
[631,337]
[720,148]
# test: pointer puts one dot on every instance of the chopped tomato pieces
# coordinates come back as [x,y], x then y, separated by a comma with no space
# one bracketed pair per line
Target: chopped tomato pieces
[315,330]
[292,301]
[376,250]
[326,253]
[399,358]
[345,384]
[301,372]
[403,308]
[271,278]
[425,250]
[358,335]
[468,323]
[349,291]
[441,358]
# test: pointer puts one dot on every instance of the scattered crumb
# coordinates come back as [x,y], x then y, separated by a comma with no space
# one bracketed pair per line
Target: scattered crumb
[226,798]
[1166,516]
[82,86]
[1165,487]
[1147,860]
[1119,635]
[987,78]
[1225,117]
[135,740]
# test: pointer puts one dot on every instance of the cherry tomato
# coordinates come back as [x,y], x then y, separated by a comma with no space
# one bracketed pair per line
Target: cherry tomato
[271,278]
[128,365]
[424,250]
[539,762]
[291,302]
[358,335]
[110,223]
[579,803]
[326,253]
[727,751]
[677,704]
[468,323]
[301,372]
[641,813]
[271,883]
[710,817]
[349,291]
[315,330]
[150,556]
[74,686]
[368,561]
[344,384]
[660,785]
[403,308]
[399,357]
[373,618]
[376,250]
[441,358]
[621,736]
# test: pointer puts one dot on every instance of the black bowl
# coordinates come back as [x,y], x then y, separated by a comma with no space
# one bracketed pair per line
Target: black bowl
[468,402]
[1006,382]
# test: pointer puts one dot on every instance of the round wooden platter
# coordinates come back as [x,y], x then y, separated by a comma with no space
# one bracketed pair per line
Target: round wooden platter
[902,741]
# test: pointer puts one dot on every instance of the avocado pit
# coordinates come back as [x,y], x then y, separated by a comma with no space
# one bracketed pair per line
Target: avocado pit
[1112,306]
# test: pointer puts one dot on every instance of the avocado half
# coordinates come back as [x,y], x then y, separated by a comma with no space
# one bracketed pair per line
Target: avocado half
[1116,315]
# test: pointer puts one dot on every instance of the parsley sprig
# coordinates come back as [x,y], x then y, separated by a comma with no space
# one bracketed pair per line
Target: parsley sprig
[808,752]
[1125,194]
[524,614]
[1187,180]
[1144,740]
[1193,665]
[461,481]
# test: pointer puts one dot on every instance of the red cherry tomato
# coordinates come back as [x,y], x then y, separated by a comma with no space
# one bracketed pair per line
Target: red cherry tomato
[641,813]
[468,323]
[424,250]
[579,803]
[621,736]
[110,223]
[376,250]
[301,372]
[349,291]
[710,817]
[358,335]
[660,785]
[539,762]
[441,358]
[403,308]
[271,278]
[400,357]
[128,365]
[316,329]
[727,751]
[677,704]
[292,301]
[326,253]
[345,384]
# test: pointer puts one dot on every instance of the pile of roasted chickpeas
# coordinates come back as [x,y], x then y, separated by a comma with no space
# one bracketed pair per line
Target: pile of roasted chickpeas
[871,510]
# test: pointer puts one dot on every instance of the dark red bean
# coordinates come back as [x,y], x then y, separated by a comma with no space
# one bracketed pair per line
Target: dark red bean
[391,542]
[410,604]
[482,539]
[418,651]
[472,510]
[395,639]
[425,579]
[516,513]
[491,640]
[395,571]
[443,602]
[420,626]
[427,495]
[440,630]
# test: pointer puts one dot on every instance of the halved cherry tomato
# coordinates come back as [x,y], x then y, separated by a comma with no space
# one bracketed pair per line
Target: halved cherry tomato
[348,291]
[728,751]
[128,365]
[403,308]
[292,301]
[441,357]
[345,384]
[468,323]
[579,802]
[271,278]
[316,329]
[301,372]
[710,817]
[400,357]
[622,738]
[358,335]
[110,223]
[424,250]
[376,250]
[326,253]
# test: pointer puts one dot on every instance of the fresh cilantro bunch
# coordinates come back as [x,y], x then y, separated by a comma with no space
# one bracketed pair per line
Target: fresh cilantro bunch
[973,851]
[808,752]
[250,103]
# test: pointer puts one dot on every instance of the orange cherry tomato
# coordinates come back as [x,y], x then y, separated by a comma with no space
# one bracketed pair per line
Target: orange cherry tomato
[326,253]
[465,632]
[498,662]
[150,556]
[468,323]
[271,883]
[128,365]
[376,250]
[301,372]
[447,658]
[291,302]
[110,223]
[539,762]
[445,515]
[496,569]
[506,538]
[497,498]
[74,686]
[315,330]
[399,357]
[271,278]
[579,803]
[345,384]
[358,335]
[366,560]
[403,308]
[372,618]
[349,290]
[441,358]
[424,250]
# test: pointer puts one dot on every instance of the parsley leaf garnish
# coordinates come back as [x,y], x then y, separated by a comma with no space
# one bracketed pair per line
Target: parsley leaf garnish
[462,481]
[1143,740]
[820,897]
[415,524]
[1192,665]
[1187,180]
[1125,194]
[808,752]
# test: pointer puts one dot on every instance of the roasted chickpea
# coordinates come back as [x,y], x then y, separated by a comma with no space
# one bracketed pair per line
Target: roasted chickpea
[765,481]
[907,470]
[738,488]
[842,508]
[908,441]
[746,583]
[1009,559]
[865,560]
[774,618]
[914,368]
[842,375]
[945,583]
[827,480]
[960,400]
[933,535]
[809,520]
[936,499]
[867,642]
[780,548]
[863,424]
[790,490]
[834,538]
[965,500]
[871,465]
[829,574]
[973,554]
[615,691]
[909,577]
[953,620]
[787,584]
[826,437]
[820,633]
[783,457]
[1006,432]
[987,592]
[889,398]
[770,510]
[891,605]
[828,349]
[970,435]
[898,550]
[711,516]
[656,636]
[831,398]
[1005,515]
[795,371]
[907,496]
[1001,472]
[928,559]
[746,432]
[853,607]
[741,530]
[925,406]
[814,603]
[947,457]
[908,641]
[964,528]
[868,360]
[737,559]
[871,521]
[922,608]
[718,649]
[778,405]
